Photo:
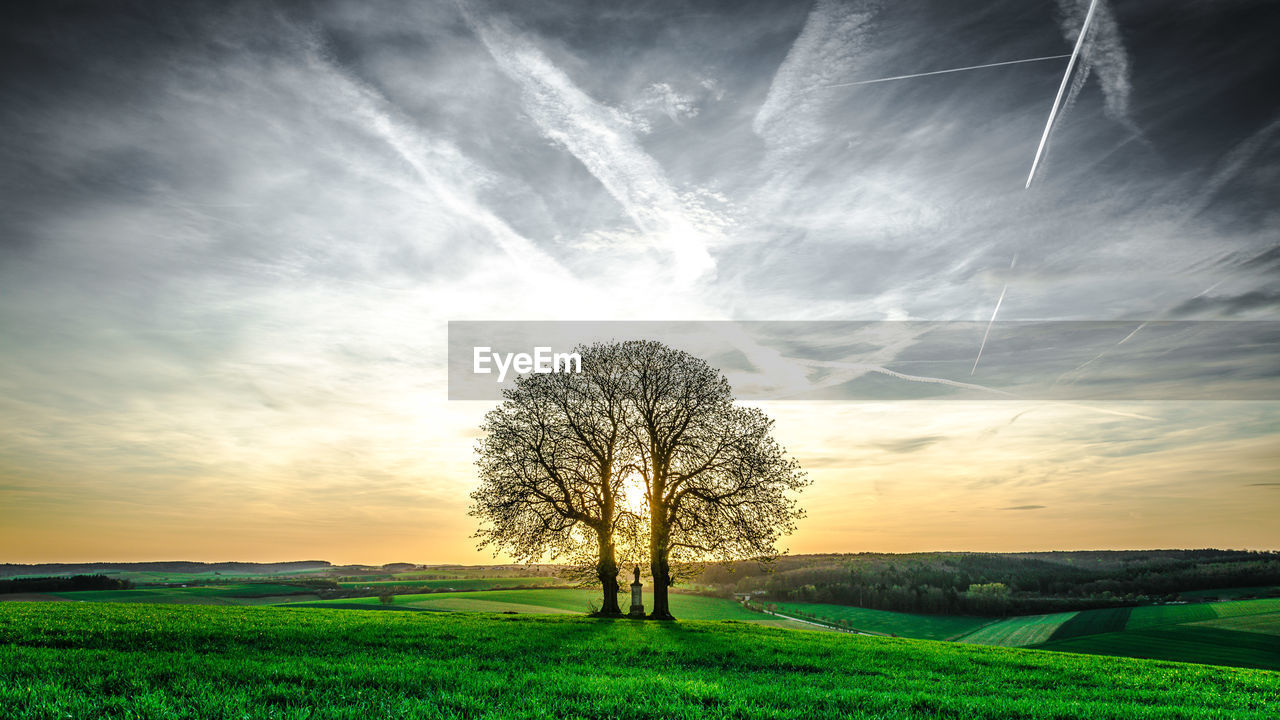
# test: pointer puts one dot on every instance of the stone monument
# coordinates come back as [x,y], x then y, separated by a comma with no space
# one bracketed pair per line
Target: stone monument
[637,600]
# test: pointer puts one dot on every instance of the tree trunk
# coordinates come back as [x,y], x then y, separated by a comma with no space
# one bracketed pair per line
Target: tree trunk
[607,571]
[659,567]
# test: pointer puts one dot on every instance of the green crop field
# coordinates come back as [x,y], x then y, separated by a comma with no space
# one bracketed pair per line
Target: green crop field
[235,594]
[1211,633]
[1092,622]
[928,627]
[1152,615]
[1185,643]
[1018,631]
[145,577]
[558,601]
[1266,623]
[82,660]
[1246,607]
[461,584]
[1241,633]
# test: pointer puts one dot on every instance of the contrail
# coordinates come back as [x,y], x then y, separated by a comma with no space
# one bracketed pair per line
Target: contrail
[1053,112]
[866,367]
[869,367]
[1126,339]
[1135,332]
[1104,411]
[988,332]
[1004,289]
[952,70]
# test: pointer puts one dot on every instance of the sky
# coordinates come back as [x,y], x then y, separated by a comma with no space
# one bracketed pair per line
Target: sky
[232,236]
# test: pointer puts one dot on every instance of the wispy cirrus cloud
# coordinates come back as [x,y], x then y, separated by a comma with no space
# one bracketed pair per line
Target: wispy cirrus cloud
[824,53]
[604,140]
[231,236]
[910,445]
[1103,54]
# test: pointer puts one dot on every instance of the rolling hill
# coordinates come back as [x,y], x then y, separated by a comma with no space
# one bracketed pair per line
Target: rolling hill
[88,660]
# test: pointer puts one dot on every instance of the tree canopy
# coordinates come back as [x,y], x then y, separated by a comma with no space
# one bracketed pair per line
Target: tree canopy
[557,453]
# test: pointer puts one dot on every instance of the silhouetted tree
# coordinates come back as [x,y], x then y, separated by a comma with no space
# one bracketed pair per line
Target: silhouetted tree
[552,463]
[716,483]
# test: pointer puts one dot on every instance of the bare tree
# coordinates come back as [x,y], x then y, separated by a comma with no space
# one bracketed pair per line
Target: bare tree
[716,483]
[552,463]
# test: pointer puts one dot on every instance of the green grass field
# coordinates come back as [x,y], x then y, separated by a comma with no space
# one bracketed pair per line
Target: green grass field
[1153,615]
[83,660]
[143,577]
[1246,607]
[1266,623]
[1184,643]
[560,601]
[1092,622]
[463,584]
[1242,633]
[233,594]
[1017,631]
[928,627]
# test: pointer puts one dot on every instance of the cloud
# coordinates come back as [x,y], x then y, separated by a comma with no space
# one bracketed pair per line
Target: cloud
[603,140]
[828,47]
[1103,52]
[443,173]
[1254,300]
[231,237]
[1024,507]
[910,445]
[1237,162]
[662,98]
[1267,260]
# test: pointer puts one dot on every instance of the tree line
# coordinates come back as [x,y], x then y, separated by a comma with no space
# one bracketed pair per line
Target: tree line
[642,457]
[63,584]
[997,584]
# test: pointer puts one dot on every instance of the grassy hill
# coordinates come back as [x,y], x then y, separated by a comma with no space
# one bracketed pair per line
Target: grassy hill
[85,660]
[461,584]
[1244,633]
[558,601]
[1018,631]
[229,594]
[913,625]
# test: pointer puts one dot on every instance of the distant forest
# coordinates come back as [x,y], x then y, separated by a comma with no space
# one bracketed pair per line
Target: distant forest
[994,584]
[63,584]
[169,566]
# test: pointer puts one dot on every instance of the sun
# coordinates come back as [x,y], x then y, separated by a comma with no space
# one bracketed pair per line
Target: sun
[633,492]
